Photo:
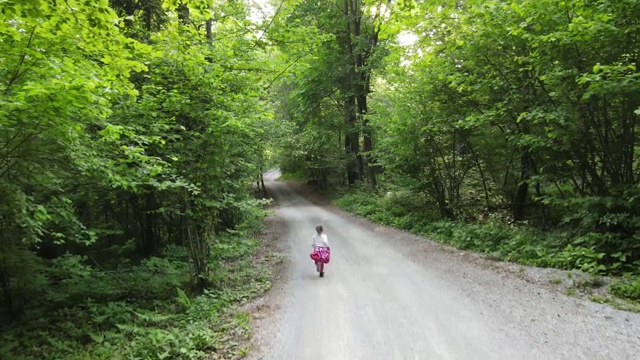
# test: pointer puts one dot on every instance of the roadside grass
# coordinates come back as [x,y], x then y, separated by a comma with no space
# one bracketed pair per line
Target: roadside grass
[520,244]
[616,302]
[297,176]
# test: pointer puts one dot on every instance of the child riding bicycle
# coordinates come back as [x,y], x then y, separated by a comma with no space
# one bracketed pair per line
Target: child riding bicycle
[321,252]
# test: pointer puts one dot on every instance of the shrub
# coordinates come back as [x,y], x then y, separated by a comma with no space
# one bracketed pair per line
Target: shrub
[139,312]
[627,288]
[591,252]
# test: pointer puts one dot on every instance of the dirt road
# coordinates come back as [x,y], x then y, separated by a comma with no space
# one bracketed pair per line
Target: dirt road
[391,295]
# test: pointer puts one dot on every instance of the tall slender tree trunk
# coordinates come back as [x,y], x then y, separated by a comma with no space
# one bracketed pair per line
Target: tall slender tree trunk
[148,16]
[352,135]
[441,198]
[520,199]
[367,143]
[183,13]
[264,189]
[196,240]
[352,143]
[359,82]
[7,293]
[209,26]
[151,241]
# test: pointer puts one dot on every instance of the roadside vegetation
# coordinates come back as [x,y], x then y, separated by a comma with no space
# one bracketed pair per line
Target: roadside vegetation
[502,240]
[142,311]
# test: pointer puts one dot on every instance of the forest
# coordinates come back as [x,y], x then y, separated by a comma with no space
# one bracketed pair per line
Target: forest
[504,127]
[133,135]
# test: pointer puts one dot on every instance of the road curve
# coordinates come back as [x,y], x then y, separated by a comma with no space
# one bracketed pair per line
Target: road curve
[390,295]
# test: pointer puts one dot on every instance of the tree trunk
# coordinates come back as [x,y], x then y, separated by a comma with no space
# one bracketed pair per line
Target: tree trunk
[352,142]
[359,83]
[264,189]
[148,16]
[183,13]
[441,198]
[209,26]
[7,294]
[368,143]
[197,243]
[151,243]
[144,211]
[520,199]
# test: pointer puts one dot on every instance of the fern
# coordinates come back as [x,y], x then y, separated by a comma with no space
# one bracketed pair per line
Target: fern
[99,319]
[99,337]
[153,317]
[131,329]
[183,299]
[137,314]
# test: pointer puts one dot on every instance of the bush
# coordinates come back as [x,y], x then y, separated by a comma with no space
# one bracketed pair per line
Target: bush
[590,252]
[295,176]
[400,209]
[139,312]
[527,245]
[627,288]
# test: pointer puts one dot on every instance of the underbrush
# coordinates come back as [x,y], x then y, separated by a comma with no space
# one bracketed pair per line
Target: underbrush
[526,245]
[144,311]
[296,176]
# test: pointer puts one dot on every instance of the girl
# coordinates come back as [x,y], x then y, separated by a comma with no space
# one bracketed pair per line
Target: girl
[321,251]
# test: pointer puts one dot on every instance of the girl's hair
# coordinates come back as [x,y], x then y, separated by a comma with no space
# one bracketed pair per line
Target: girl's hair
[319,229]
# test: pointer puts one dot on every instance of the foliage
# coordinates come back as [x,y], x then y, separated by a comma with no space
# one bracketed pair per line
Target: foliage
[130,132]
[401,209]
[628,288]
[140,312]
[296,176]
[331,50]
[526,245]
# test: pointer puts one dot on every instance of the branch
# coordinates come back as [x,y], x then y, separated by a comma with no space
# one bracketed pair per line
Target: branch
[338,7]
[16,73]
[338,105]
[285,70]
[270,23]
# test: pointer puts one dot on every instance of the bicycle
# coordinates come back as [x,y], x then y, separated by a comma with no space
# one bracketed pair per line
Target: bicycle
[321,255]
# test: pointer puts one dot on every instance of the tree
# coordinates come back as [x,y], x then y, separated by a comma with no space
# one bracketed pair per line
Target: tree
[528,105]
[138,130]
[346,51]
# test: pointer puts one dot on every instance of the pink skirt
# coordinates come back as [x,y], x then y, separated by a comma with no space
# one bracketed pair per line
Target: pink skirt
[321,254]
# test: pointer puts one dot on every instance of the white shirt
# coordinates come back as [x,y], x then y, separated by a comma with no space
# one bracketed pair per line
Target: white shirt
[320,240]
